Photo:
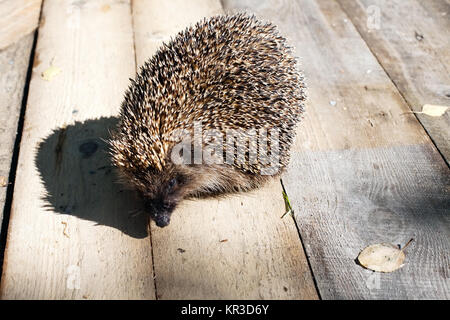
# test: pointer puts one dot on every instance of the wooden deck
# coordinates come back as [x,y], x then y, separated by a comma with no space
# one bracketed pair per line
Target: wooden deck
[364,168]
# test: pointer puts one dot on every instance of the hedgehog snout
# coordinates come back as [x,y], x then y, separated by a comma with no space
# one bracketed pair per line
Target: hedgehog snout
[160,212]
[161,220]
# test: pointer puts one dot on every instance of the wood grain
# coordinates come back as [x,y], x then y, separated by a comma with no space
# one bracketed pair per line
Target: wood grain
[70,236]
[232,248]
[349,199]
[157,21]
[13,71]
[18,19]
[412,43]
[362,171]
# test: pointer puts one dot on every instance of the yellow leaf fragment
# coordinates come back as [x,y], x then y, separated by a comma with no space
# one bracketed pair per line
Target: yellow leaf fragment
[382,257]
[3,181]
[50,73]
[434,110]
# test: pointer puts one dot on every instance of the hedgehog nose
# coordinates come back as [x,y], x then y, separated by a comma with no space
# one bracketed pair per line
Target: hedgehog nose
[162,221]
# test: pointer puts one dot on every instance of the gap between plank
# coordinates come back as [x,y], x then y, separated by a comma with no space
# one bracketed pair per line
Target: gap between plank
[136,68]
[303,244]
[15,154]
[393,82]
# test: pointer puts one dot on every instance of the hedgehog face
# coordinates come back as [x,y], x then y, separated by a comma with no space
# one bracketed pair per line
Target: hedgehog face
[165,189]
[163,192]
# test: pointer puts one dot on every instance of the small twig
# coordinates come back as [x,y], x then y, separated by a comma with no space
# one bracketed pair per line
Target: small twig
[65,228]
[407,244]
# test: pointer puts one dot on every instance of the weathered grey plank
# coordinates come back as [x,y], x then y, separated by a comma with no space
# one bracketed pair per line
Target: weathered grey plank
[362,171]
[348,199]
[232,248]
[70,235]
[412,43]
[13,71]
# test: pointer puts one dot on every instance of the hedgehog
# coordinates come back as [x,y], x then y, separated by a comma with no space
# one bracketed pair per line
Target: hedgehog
[213,112]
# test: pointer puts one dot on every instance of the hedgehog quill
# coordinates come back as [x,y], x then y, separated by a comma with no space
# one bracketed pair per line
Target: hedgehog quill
[213,112]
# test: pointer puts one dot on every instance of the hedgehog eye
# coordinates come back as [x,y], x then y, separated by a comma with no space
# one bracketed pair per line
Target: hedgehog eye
[172,184]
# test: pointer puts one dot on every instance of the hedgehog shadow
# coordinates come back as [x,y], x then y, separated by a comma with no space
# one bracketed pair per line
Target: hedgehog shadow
[74,166]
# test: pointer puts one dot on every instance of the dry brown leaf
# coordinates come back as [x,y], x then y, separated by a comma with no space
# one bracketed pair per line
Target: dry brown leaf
[50,73]
[382,257]
[3,181]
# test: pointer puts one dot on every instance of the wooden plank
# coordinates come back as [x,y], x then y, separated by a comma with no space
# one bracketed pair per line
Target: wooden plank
[414,49]
[19,18]
[231,248]
[362,171]
[13,71]
[70,235]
